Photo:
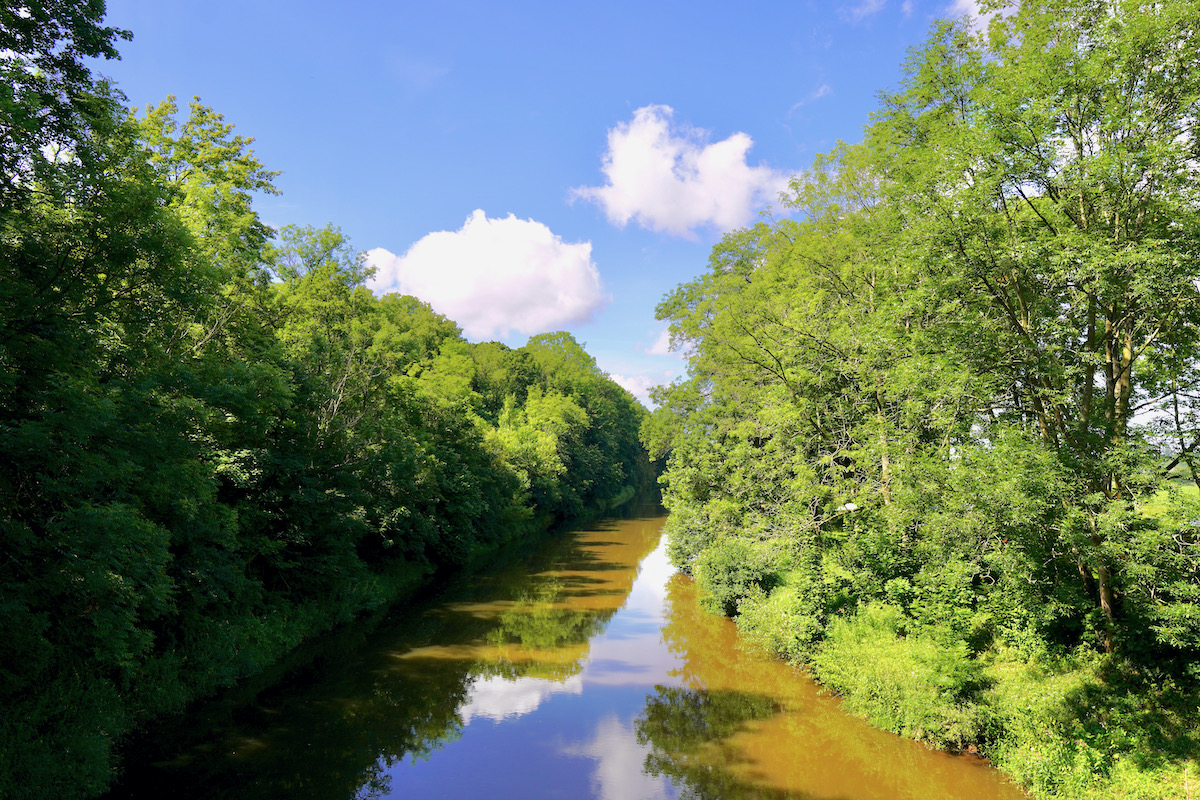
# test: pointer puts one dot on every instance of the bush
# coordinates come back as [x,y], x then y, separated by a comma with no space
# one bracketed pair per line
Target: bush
[779,623]
[789,621]
[1086,727]
[916,686]
[728,571]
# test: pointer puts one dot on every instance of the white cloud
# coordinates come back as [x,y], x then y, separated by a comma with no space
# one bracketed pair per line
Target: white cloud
[496,276]
[824,90]
[979,19]
[959,8]
[863,9]
[662,345]
[906,8]
[671,179]
[637,385]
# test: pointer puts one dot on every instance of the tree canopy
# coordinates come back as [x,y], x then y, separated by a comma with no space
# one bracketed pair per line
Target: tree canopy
[215,441]
[955,381]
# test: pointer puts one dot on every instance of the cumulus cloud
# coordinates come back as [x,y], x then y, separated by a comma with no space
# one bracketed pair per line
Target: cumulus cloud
[498,698]
[672,179]
[496,276]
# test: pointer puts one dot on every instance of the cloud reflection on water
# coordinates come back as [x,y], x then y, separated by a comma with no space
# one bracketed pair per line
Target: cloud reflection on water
[618,773]
[500,698]
[631,652]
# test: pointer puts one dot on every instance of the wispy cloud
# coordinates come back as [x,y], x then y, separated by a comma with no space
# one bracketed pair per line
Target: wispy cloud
[824,90]
[979,19]
[671,179]
[859,11]
[662,345]
[496,276]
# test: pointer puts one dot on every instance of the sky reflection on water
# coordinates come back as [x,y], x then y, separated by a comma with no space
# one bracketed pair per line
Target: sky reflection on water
[585,671]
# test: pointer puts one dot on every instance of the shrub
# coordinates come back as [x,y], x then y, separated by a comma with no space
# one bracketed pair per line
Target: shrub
[789,621]
[729,570]
[917,686]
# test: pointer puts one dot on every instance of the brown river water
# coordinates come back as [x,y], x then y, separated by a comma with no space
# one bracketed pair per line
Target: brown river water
[581,669]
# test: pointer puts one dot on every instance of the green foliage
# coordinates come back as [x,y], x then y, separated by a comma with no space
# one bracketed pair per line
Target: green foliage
[215,442]
[729,571]
[679,722]
[48,97]
[1094,727]
[944,396]
[921,686]
[786,622]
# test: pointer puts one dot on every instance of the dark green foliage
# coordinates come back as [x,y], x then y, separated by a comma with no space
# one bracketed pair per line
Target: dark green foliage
[215,442]
[47,95]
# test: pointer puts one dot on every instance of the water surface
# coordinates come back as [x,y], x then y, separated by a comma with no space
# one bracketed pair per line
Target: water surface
[582,670]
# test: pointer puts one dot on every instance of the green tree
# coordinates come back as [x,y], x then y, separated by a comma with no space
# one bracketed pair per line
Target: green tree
[1045,174]
[49,101]
[1004,266]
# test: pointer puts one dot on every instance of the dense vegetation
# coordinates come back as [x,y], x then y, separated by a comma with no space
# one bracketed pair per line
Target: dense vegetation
[927,436]
[337,728]
[214,440]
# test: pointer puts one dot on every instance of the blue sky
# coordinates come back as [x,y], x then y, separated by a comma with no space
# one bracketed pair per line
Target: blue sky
[529,166]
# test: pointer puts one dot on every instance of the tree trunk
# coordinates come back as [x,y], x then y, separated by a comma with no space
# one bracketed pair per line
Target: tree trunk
[1108,605]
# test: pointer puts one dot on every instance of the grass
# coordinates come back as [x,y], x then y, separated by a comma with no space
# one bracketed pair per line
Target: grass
[1066,726]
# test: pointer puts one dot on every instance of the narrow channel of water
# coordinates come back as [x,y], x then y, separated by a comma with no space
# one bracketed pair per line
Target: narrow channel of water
[584,670]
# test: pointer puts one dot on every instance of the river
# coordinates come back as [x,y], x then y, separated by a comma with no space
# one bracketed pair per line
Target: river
[582,669]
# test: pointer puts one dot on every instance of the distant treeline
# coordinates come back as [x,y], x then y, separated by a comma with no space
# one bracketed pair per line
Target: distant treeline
[926,441]
[214,440]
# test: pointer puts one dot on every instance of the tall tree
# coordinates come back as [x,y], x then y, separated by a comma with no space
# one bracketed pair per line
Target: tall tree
[49,100]
[1046,172]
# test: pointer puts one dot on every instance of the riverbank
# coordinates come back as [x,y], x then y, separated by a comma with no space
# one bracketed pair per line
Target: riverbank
[1066,724]
[585,654]
[354,685]
[926,440]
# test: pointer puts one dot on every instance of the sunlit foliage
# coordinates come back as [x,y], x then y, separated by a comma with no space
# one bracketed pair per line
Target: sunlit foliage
[937,408]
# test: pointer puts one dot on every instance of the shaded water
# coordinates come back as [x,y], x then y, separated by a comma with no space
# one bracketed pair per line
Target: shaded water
[583,670]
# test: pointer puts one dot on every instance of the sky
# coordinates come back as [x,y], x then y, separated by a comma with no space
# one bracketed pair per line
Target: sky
[526,167]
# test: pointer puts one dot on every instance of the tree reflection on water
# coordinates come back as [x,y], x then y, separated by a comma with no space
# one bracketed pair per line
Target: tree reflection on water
[687,729]
[366,703]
